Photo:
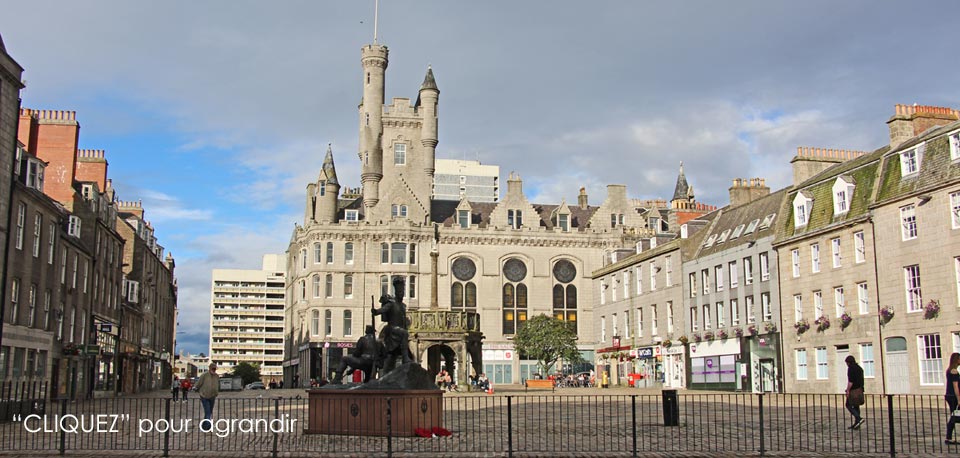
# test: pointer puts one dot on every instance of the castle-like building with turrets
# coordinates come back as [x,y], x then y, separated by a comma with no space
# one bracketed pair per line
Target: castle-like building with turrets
[471,271]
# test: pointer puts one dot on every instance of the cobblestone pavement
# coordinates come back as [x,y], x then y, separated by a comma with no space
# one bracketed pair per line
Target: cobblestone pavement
[568,422]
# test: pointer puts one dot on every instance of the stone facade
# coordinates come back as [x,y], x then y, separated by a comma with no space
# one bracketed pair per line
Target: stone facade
[498,260]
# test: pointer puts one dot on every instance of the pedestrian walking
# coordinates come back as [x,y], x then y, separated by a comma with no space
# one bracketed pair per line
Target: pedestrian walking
[855,397]
[953,393]
[208,387]
[185,385]
[175,387]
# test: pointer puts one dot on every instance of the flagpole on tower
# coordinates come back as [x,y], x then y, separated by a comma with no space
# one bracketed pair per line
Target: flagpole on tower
[376,15]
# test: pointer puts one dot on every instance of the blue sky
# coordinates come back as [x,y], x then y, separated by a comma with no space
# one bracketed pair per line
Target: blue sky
[216,114]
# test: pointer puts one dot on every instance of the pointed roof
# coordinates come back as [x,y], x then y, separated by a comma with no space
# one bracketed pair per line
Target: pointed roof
[428,81]
[2,47]
[329,170]
[683,189]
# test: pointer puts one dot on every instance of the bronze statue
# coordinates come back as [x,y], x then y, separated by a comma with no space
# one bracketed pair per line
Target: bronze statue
[394,335]
[364,357]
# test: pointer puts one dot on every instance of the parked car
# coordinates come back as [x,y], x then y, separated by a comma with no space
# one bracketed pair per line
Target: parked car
[255,386]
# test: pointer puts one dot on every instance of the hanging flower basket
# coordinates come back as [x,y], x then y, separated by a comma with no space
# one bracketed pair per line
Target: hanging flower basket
[802,326]
[769,327]
[845,320]
[697,338]
[823,323]
[931,310]
[722,334]
[667,343]
[708,335]
[752,329]
[683,340]
[738,332]
[886,314]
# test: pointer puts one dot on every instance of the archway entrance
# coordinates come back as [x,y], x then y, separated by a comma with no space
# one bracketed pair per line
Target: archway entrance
[442,357]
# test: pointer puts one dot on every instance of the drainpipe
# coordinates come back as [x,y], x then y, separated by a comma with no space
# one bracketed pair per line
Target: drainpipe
[876,282]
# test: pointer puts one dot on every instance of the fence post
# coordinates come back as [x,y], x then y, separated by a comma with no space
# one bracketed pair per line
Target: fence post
[762,442]
[389,430]
[893,439]
[633,415]
[510,426]
[166,434]
[276,416]
[63,434]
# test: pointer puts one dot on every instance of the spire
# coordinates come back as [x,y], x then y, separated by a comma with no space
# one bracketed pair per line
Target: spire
[428,81]
[329,170]
[682,189]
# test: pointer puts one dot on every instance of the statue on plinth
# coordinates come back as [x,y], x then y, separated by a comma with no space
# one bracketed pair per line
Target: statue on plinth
[394,336]
[365,357]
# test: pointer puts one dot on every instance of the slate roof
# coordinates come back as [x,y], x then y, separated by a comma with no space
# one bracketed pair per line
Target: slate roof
[729,219]
[936,167]
[682,188]
[428,81]
[863,171]
[2,47]
[444,212]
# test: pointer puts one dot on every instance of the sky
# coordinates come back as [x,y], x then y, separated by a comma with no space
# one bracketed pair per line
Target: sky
[217,114]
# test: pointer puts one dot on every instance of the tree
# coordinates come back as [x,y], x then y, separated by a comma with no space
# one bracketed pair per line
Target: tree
[547,339]
[247,372]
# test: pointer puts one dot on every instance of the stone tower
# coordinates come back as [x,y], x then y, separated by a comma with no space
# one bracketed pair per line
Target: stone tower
[328,191]
[374,61]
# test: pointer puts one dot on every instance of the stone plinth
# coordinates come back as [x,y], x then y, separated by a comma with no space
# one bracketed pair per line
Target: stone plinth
[364,412]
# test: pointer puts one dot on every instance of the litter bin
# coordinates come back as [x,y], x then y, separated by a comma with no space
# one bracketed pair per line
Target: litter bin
[671,408]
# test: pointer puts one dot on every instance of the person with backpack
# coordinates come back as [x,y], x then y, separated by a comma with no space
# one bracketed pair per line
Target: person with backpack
[185,386]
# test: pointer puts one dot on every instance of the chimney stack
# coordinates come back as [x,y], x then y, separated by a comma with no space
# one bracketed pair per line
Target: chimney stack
[908,121]
[747,190]
[810,161]
[582,199]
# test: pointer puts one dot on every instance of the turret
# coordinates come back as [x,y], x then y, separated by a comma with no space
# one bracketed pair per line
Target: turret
[374,61]
[682,193]
[328,191]
[427,105]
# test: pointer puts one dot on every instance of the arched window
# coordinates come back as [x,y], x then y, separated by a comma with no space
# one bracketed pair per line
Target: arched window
[327,322]
[348,286]
[328,292]
[316,253]
[303,289]
[514,295]
[384,285]
[348,253]
[384,253]
[347,323]
[564,292]
[463,292]
[329,252]
[316,285]
[315,323]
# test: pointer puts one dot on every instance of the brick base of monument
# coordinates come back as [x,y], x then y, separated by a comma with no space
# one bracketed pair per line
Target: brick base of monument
[364,412]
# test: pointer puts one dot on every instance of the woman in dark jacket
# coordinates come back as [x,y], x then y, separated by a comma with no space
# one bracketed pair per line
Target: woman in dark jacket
[953,392]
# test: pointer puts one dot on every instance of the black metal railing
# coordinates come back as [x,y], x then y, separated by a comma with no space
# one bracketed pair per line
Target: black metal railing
[22,398]
[746,424]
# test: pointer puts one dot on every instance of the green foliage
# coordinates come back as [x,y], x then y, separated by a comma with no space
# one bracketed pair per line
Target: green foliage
[249,373]
[547,339]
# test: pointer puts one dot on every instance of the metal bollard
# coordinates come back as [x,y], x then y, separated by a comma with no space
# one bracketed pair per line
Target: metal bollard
[671,408]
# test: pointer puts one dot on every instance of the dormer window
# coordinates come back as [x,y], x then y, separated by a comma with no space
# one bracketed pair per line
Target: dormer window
[352,215]
[74,228]
[723,236]
[737,231]
[767,221]
[954,145]
[685,232]
[801,209]
[709,242]
[751,227]
[399,154]
[910,160]
[563,220]
[463,218]
[842,194]
[515,218]
[35,174]
[87,191]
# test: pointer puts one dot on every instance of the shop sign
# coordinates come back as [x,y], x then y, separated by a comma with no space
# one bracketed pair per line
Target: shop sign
[344,344]
[645,352]
[107,328]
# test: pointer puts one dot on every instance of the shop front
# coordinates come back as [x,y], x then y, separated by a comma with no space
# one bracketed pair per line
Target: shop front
[764,372]
[714,365]
[646,368]
[674,367]
[498,361]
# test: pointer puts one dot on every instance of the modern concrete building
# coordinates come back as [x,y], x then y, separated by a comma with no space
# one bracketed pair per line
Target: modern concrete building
[470,180]
[246,317]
